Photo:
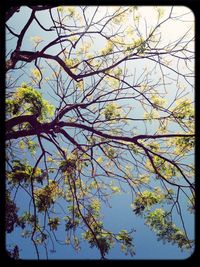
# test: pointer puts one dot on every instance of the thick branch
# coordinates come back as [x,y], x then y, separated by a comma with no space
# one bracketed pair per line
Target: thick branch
[22,133]
[21,36]
[41,7]
[115,137]
[16,56]
[31,119]
[46,127]
[11,11]
[37,127]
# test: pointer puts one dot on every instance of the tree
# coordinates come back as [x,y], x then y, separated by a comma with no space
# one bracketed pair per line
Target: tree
[98,103]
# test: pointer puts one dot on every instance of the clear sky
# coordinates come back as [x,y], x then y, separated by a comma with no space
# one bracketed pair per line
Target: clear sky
[120,215]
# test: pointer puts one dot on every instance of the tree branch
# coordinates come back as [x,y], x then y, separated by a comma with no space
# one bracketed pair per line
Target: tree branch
[11,11]
[31,119]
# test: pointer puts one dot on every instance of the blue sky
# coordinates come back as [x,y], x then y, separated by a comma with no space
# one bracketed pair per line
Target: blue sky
[120,215]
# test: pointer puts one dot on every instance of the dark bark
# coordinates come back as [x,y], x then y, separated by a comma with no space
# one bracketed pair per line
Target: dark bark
[16,56]
[31,119]
[10,11]
[36,127]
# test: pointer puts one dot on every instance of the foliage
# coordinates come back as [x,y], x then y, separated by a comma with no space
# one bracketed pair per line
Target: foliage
[23,172]
[14,253]
[146,199]
[46,196]
[166,230]
[126,242]
[53,223]
[112,111]
[160,220]
[11,218]
[27,100]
